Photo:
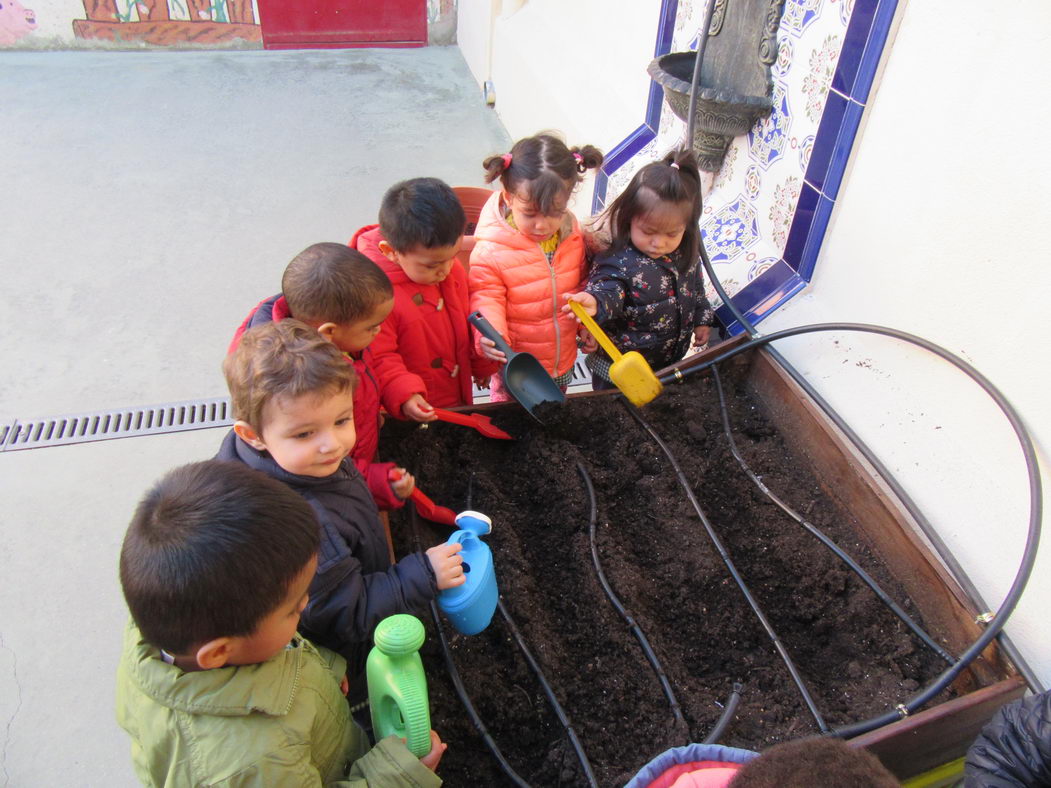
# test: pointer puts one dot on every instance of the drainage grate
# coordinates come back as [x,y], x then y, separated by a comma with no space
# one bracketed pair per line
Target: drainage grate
[121,423]
[157,419]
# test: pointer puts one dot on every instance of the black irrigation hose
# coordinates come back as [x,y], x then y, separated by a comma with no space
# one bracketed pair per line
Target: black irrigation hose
[714,537]
[1035,684]
[550,693]
[729,710]
[636,630]
[458,685]
[866,578]
[1025,568]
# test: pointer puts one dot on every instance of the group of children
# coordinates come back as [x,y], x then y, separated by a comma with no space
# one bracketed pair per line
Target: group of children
[234,568]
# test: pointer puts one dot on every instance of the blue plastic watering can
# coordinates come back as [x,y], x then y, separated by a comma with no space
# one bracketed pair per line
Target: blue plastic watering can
[470,606]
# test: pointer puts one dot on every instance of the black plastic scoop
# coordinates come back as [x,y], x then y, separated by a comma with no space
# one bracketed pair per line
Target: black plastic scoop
[524,377]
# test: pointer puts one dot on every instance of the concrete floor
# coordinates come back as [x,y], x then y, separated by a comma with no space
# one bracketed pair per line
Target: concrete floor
[150,200]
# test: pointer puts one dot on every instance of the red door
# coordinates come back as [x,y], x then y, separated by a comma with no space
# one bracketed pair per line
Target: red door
[333,24]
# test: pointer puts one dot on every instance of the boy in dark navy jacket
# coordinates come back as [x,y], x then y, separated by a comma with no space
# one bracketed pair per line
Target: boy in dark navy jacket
[292,397]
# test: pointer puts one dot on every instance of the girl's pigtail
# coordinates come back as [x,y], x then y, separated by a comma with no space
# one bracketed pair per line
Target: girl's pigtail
[588,158]
[684,163]
[495,166]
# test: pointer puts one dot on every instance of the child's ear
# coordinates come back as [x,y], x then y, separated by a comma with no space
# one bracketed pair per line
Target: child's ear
[214,653]
[327,330]
[245,432]
[388,251]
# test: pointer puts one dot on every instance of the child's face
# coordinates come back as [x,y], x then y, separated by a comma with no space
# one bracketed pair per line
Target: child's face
[660,231]
[277,628]
[309,435]
[531,223]
[427,266]
[357,335]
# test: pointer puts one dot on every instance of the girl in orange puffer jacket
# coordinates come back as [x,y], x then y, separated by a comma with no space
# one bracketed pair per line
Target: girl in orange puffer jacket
[530,254]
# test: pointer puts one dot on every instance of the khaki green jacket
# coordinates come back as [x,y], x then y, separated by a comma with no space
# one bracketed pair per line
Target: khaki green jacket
[283,722]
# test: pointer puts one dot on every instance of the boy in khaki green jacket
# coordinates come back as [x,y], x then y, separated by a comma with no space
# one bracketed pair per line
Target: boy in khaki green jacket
[214,686]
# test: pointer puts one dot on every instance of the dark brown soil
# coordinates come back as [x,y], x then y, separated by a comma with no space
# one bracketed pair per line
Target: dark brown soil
[856,658]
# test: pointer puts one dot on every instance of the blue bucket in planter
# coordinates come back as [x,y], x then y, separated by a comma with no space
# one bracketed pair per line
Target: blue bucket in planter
[470,606]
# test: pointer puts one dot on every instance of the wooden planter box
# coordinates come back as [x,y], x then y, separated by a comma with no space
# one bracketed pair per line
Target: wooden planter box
[939,733]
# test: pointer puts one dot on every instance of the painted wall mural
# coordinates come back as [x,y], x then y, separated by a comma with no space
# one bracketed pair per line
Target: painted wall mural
[767,209]
[168,22]
[16,22]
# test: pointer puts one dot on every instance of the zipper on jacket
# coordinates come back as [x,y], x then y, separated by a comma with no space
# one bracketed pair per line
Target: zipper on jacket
[554,301]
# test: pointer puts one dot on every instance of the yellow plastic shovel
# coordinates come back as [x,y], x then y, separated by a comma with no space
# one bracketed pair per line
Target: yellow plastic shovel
[629,372]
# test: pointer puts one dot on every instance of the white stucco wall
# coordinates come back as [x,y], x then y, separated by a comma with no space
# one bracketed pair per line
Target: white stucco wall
[576,67]
[939,231]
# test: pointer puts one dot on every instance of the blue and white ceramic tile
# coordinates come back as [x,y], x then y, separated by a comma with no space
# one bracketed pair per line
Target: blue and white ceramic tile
[758,233]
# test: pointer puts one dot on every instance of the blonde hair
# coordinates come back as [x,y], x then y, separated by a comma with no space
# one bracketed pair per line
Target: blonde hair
[283,359]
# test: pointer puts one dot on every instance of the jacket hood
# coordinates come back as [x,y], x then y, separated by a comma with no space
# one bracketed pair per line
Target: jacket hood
[236,691]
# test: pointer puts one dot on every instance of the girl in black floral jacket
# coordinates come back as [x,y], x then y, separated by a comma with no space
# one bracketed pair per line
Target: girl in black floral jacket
[646,290]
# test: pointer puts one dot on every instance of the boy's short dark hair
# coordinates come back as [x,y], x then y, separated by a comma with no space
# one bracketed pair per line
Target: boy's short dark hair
[332,283]
[211,551]
[283,359]
[814,761]
[421,212]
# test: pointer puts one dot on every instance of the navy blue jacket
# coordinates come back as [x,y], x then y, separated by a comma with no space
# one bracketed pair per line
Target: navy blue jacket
[1014,748]
[355,586]
[647,305]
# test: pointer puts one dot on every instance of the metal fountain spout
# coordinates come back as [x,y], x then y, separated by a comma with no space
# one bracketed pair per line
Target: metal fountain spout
[735,87]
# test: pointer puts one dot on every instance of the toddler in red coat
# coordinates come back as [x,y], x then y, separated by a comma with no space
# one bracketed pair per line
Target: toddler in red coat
[343,296]
[424,354]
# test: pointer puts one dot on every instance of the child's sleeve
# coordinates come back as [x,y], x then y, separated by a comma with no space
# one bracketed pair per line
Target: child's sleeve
[346,602]
[377,479]
[608,283]
[488,293]
[389,764]
[395,381]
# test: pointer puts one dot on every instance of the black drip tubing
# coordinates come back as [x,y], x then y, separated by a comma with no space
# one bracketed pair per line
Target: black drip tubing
[1025,568]
[636,630]
[729,710]
[458,685]
[550,693]
[714,537]
[943,551]
[866,578]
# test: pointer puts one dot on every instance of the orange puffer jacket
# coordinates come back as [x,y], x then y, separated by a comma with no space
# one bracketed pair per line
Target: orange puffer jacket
[521,293]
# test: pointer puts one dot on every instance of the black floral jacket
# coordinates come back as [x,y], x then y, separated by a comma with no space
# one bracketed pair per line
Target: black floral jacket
[647,305]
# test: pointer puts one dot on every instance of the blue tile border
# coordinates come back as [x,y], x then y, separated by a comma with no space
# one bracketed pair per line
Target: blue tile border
[877,40]
[867,33]
[762,296]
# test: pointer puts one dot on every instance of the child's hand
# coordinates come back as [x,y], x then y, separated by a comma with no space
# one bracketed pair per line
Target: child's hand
[586,300]
[701,335]
[418,409]
[447,564]
[585,341]
[402,482]
[344,685]
[438,748]
[490,352]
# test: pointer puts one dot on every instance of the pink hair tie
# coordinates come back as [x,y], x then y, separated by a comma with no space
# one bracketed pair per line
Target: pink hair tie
[674,165]
[579,158]
[507,160]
